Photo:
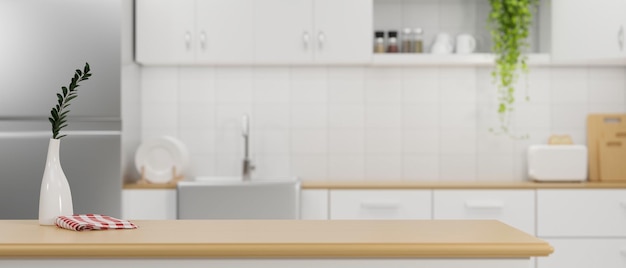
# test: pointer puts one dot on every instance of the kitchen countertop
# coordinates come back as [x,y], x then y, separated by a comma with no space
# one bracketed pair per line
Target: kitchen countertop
[275,239]
[396,184]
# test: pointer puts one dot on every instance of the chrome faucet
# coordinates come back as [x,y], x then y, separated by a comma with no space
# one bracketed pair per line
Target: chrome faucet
[248,167]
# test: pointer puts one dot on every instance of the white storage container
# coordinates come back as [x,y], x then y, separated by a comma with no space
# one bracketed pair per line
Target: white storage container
[557,162]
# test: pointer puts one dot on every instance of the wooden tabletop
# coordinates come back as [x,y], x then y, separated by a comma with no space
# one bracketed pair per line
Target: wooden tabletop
[275,239]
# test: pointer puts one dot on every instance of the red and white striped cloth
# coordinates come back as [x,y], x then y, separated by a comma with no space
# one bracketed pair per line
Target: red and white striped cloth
[82,222]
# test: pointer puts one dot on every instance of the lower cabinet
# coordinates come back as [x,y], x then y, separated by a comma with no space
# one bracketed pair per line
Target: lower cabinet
[585,253]
[513,207]
[149,204]
[586,227]
[380,204]
[314,205]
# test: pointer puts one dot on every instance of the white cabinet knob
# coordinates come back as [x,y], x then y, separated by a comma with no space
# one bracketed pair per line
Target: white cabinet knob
[620,37]
[305,39]
[321,38]
[188,40]
[203,40]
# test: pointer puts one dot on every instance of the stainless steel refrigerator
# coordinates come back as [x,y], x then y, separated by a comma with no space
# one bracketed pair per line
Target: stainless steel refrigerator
[42,42]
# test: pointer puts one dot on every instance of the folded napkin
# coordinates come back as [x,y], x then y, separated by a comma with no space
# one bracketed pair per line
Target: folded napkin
[82,222]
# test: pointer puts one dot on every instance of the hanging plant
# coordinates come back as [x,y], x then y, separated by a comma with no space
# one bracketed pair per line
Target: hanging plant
[509,22]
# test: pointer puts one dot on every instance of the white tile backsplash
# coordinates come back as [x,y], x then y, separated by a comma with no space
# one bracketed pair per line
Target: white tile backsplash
[346,140]
[346,166]
[309,115]
[309,85]
[421,141]
[383,140]
[346,85]
[424,167]
[457,167]
[197,85]
[423,116]
[383,167]
[346,115]
[309,141]
[495,167]
[412,123]
[271,85]
[234,85]
[383,116]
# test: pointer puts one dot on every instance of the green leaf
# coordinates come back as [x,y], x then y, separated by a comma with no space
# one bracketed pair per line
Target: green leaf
[55,115]
[71,98]
[58,112]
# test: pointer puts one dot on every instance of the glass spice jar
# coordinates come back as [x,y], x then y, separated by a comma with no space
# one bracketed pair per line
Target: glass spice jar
[392,46]
[379,42]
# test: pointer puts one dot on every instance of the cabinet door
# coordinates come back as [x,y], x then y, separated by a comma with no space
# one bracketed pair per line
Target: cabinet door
[380,204]
[283,31]
[343,31]
[585,253]
[513,207]
[581,213]
[587,31]
[314,205]
[165,31]
[224,30]
[149,204]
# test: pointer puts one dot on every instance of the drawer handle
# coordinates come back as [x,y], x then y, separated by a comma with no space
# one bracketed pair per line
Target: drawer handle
[484,204]
[380,204]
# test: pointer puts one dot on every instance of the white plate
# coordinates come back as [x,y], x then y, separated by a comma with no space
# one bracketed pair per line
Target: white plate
[158,155]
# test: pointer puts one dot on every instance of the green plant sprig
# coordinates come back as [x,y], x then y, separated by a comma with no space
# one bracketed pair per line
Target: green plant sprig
[510,22]
[59,112]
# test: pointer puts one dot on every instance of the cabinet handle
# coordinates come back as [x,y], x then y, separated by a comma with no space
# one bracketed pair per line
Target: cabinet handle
[620,37]
[305,39]
[622,251]
[203,40]
[321,38]
[622,204]
[188,40]
[484,204]
[380,204]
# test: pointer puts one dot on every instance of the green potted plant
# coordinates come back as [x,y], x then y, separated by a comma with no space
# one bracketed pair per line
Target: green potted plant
[55,197]
[509,22]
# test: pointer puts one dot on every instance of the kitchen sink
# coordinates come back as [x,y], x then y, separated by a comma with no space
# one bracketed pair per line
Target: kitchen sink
[232,198]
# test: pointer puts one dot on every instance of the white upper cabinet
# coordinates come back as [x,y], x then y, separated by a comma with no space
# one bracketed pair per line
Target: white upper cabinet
[165,31]
[194,31]
[343,31]
[307,31]
[588,31]
[224,29]
[283,31]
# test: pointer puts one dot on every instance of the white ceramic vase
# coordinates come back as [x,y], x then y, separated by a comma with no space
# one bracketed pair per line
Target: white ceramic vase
[55,197]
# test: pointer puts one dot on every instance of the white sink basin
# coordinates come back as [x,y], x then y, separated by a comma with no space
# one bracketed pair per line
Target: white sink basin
[233,198]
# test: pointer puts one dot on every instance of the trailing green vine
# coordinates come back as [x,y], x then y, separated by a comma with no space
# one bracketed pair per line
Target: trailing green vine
[60,110]
[510,22]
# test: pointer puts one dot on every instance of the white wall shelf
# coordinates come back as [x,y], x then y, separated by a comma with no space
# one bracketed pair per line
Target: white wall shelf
[476,59]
